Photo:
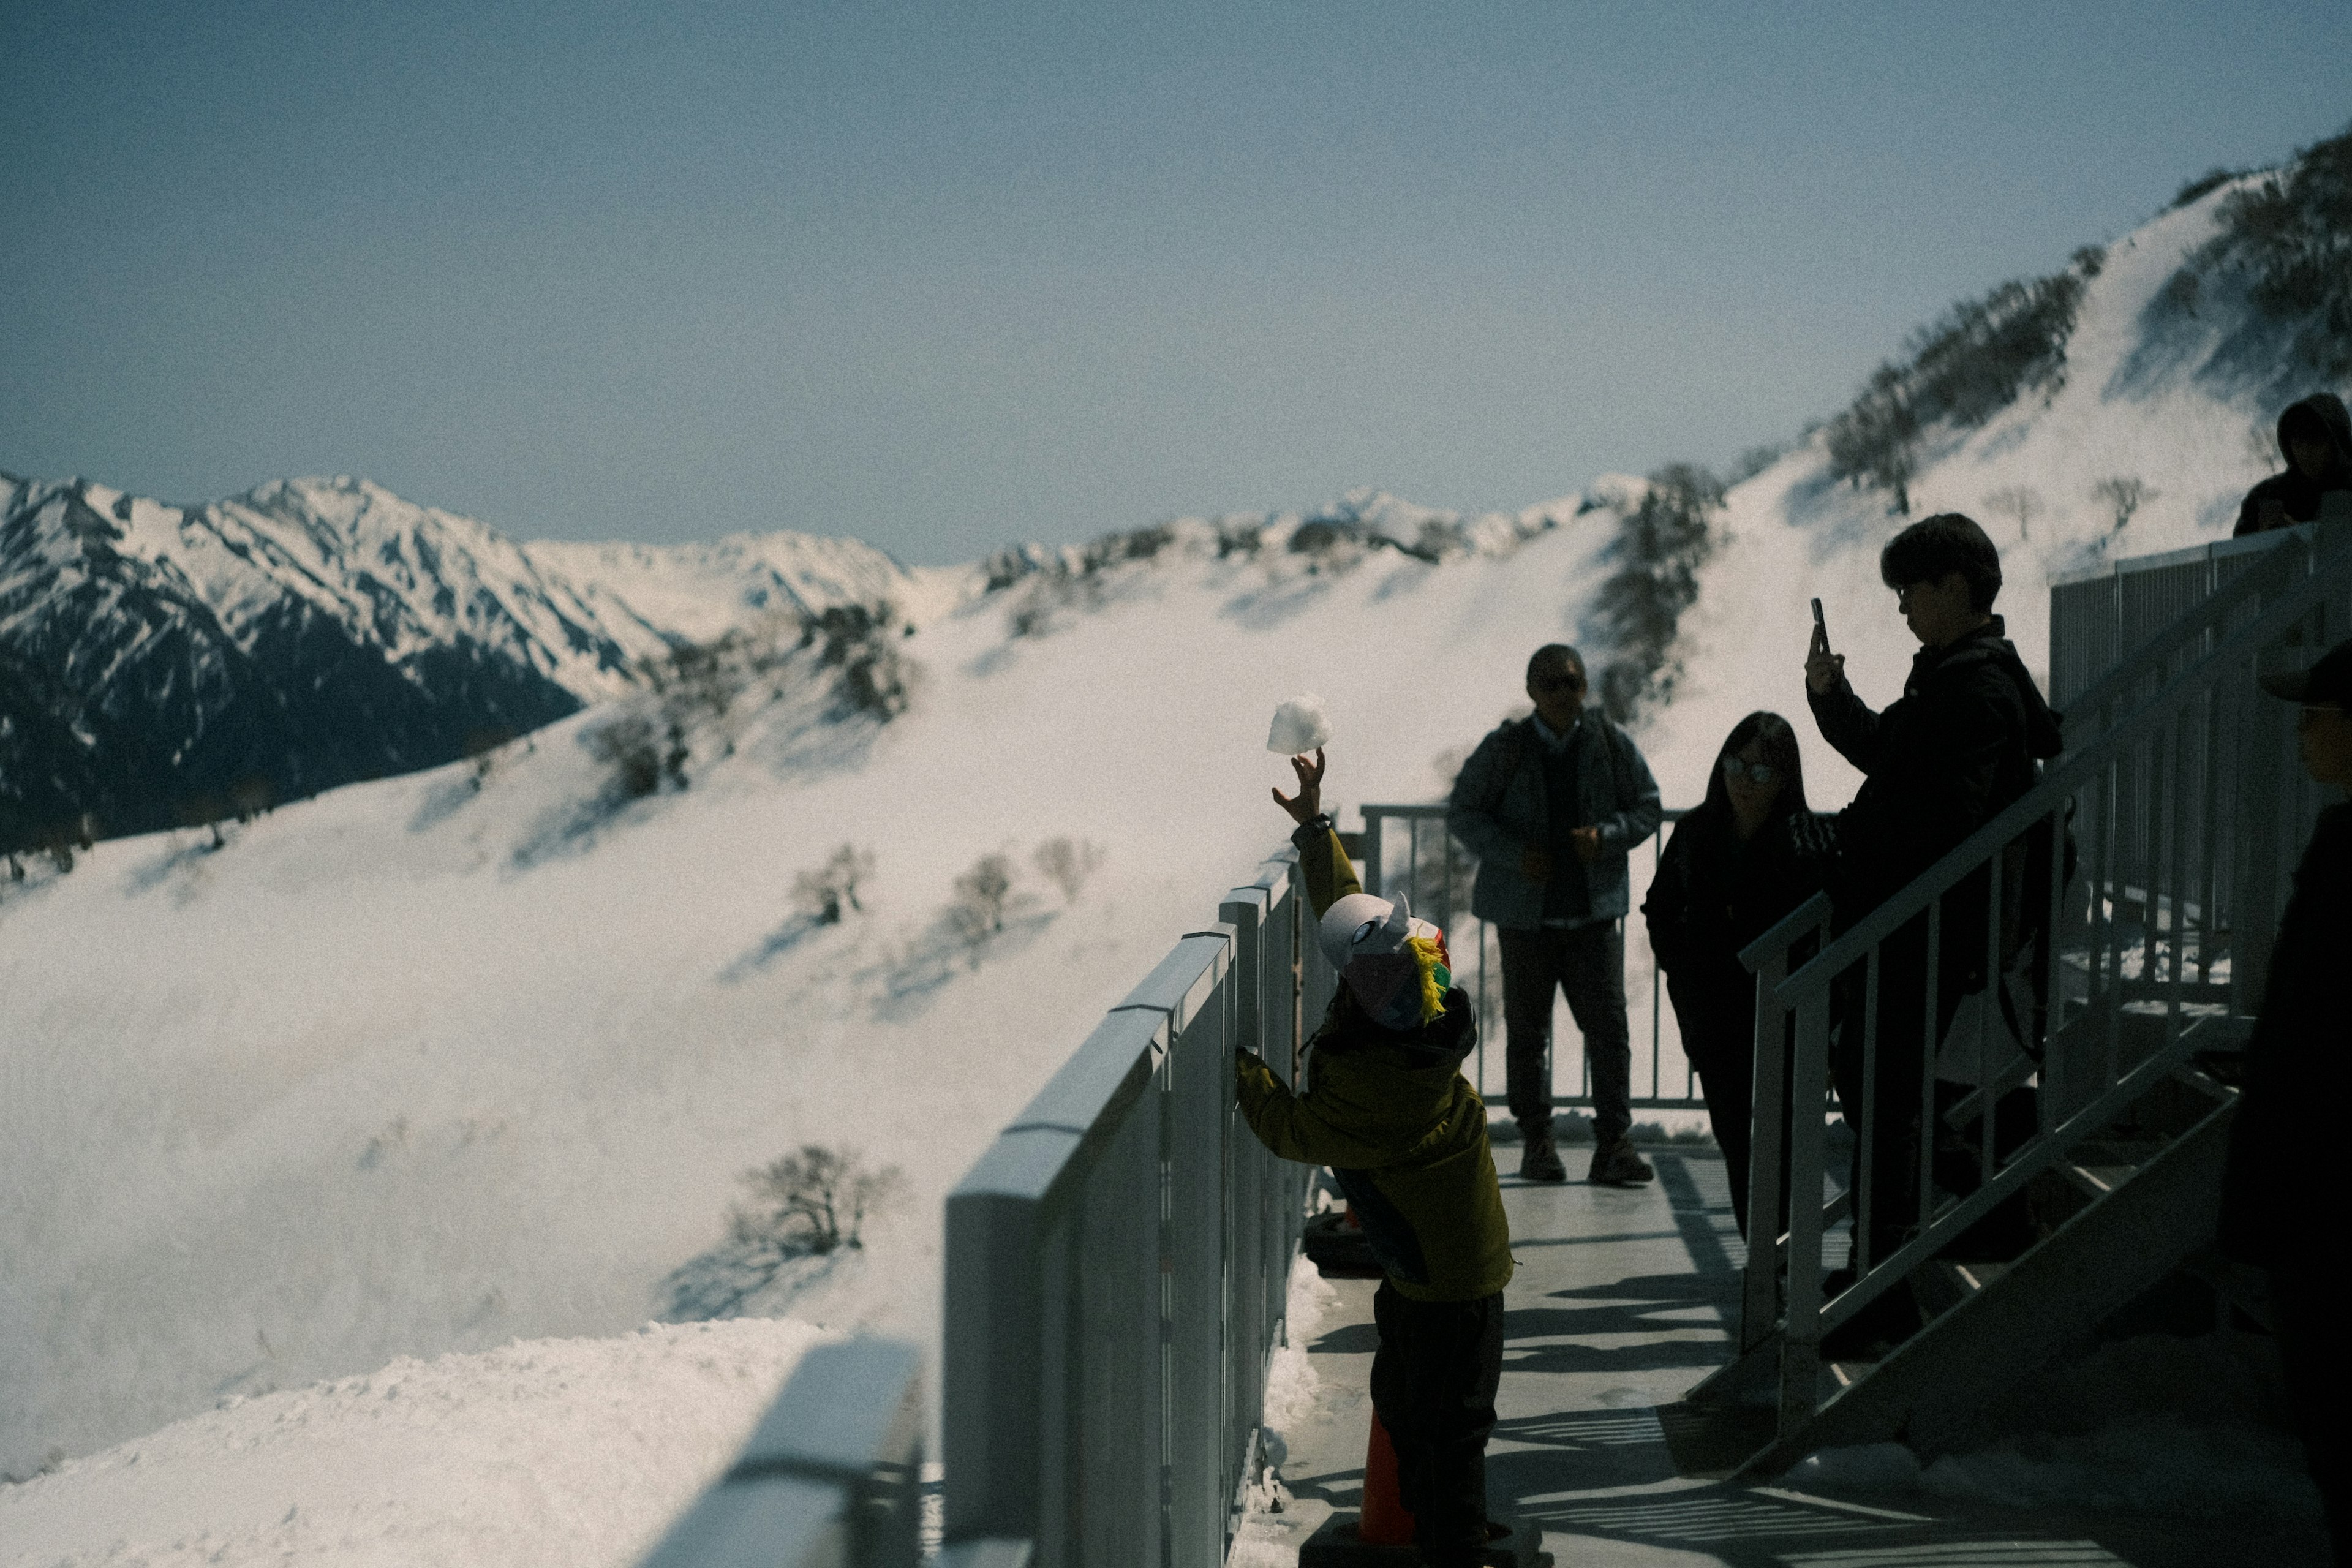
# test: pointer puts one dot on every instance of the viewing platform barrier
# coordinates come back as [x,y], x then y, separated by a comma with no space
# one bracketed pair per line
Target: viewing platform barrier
[1405,849]
[831,1478]
[2228,779]
[1119,1265]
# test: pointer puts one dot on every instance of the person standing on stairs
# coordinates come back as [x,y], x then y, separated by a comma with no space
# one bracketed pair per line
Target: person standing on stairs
[1957,747]
[1551,805]
[2287,1189]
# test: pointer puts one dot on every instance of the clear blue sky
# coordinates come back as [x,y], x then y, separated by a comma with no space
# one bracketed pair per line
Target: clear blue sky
[945,276]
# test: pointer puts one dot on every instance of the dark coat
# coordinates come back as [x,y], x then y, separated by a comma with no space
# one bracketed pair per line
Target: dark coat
[2297,495]
[2286,1188]
[1500,808]
[1712,895]
[1945,758]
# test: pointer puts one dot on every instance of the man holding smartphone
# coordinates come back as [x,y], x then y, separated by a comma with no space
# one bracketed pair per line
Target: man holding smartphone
[1940,762]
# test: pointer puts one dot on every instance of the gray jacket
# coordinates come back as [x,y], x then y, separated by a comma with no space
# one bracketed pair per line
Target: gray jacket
[1499,808]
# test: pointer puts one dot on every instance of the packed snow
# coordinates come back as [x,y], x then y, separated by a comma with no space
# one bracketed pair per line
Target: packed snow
[1298,727]
[566,1452]
[429,1066]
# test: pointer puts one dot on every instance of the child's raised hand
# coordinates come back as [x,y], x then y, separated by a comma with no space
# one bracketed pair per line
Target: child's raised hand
[1304,806]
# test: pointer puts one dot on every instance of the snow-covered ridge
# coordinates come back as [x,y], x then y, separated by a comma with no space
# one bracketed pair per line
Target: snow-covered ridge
[403,578]
[317,631]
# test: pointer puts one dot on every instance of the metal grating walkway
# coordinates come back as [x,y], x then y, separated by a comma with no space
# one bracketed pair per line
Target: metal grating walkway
[1622,1303]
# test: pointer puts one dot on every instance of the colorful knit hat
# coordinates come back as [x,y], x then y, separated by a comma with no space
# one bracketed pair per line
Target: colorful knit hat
[1396,967]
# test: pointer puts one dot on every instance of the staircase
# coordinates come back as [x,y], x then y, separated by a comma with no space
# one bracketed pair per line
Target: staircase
[2069,1171]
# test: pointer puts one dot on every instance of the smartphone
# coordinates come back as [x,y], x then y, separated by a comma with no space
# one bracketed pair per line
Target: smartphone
[1820,624]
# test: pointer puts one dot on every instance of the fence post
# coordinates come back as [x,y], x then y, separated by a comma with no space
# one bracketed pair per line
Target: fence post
[1801,1347]
[832,1474]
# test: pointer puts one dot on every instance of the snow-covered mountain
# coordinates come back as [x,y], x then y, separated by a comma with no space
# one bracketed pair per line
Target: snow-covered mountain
[207,659]
[433,1062]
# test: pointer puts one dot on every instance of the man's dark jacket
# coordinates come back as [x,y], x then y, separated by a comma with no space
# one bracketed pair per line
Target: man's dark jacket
[1500,806]
[2297,495]
[1944,759]
[2287,1185]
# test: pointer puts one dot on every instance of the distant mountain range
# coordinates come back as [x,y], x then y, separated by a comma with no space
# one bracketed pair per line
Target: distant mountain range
[161,664]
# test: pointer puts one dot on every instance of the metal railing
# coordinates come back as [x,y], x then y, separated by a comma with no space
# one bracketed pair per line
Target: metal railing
[2086,994]
[1407,850]
[1117,1265]
[831,1478]
[2109,655]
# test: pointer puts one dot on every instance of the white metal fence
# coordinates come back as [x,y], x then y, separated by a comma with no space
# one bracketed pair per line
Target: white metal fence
[2119,638]
[1405,849]
[1117,1265]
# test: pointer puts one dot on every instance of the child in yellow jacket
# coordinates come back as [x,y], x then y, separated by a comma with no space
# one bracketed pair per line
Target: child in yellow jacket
[1387,1109]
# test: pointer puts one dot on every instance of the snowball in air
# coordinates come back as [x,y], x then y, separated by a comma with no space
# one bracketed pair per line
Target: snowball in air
[1299,726]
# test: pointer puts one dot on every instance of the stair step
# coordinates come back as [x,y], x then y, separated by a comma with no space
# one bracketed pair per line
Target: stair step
[2206,1084]
[2095,1181]
[1943,1284]
[1974,1277]
[2124,1152]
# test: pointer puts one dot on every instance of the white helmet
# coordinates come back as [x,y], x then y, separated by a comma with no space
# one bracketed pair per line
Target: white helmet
[1361,926]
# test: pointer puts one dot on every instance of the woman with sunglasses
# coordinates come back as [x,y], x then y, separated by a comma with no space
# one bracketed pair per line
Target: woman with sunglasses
[1746,856]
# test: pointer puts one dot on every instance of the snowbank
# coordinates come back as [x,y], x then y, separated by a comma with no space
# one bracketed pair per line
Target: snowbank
[567,1453]
[1292,1384]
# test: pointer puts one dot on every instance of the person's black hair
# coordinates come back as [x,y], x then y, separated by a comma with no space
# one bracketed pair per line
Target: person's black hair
[2301,421]
[1932,547]
[1780,750]
[1553,653]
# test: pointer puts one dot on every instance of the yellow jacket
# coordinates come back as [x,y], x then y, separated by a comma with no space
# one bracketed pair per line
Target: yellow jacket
[1403,1132]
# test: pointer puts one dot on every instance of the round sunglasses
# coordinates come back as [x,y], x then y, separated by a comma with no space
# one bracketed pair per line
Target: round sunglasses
[1754,772]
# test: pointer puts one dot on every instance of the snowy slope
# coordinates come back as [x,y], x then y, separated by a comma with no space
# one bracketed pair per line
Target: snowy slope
[418,1067]
[702,592]
[414,1068]
[474,1458]
[2140,398]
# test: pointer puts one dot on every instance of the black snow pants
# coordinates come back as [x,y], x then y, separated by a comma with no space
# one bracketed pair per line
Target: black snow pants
[1433,1382]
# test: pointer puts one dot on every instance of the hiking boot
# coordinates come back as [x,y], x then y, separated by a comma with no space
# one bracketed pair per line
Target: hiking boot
[1538,1161]
[1614,1164]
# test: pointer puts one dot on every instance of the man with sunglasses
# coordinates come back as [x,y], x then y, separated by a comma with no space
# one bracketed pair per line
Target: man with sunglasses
[1550,805]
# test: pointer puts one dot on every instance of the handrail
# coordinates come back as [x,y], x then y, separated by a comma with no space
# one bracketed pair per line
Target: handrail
[2131,666]
[1118,1264]
[2056,786]
[830,1476]
[1806,917]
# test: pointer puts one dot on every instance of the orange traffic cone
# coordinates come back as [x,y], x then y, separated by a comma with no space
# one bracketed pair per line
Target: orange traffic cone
[1383,1520]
